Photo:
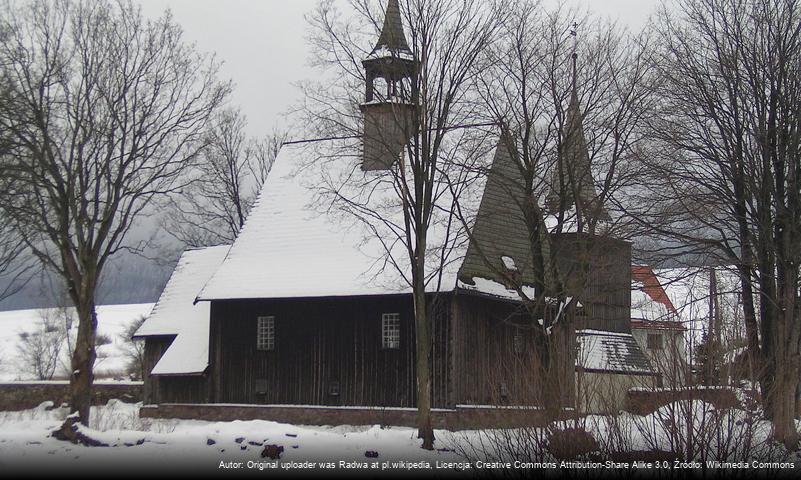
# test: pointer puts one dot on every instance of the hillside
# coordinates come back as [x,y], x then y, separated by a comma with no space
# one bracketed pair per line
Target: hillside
[112,321]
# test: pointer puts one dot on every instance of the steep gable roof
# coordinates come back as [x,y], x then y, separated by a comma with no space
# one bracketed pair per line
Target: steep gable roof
[572,183]
[298,241]
[305,236]
[176,314]
[647,281]
[500,241]
[649,301]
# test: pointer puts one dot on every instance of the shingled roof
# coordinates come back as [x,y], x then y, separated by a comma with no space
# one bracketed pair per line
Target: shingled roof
[392,37]
[573,169]
[573,172]
[607,352]
[500,230]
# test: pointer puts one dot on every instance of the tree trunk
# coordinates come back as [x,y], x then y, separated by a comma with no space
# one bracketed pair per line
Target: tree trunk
[423,349]
[423,330]
[784,408]
[552,382]
[83,361]
[786,358]
[82,376]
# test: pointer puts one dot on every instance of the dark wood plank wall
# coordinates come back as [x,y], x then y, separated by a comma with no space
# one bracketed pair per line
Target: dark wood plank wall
[487,366]
[606,293]
[170,389]
[154,349]
[319,342]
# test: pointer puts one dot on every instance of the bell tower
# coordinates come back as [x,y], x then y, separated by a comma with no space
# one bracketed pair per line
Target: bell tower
[391,98]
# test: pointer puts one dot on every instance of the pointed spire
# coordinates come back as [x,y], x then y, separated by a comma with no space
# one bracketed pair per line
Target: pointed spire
[574,34]
[573,172]
[392,37]
[573,123]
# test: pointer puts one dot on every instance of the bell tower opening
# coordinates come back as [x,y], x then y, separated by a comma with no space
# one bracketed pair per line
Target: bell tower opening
[391,96]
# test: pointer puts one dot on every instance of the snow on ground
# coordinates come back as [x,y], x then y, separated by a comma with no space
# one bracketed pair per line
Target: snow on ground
[112,321]
[25,441]
[159,444]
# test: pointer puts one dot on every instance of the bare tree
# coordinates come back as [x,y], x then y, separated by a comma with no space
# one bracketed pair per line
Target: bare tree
[445,38]
[107,113]
[728,164]
[38,351]
[134,349]
[571,111]
[527,82]
[212,209]
[16,264]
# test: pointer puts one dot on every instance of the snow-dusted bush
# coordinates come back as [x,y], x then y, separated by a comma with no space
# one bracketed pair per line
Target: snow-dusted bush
[38,350]
[685,430]
[44,411]
[134,349]
[691,430]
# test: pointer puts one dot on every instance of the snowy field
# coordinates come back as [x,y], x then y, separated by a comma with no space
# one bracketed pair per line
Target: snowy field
[154,443]
[199,446]
[112,321]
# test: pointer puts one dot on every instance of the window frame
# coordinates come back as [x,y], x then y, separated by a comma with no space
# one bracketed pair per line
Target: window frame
[265,333]
[652,339]
[518,342]
[390,331]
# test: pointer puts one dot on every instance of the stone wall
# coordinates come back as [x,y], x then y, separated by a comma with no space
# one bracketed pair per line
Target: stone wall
[459,418]
[25,395]
[643,401]
[604,393]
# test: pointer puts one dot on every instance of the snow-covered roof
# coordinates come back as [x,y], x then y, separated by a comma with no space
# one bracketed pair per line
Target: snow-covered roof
[175,313]
[492,288]
[611,352]
[322,227]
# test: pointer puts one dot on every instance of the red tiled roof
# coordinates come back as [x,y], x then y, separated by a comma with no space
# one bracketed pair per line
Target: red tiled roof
[651,286]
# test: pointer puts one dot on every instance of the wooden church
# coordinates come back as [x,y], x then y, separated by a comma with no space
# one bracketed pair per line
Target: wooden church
[305,309]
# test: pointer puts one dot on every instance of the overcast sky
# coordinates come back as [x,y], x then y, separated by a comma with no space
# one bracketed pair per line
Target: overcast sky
[262,44]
